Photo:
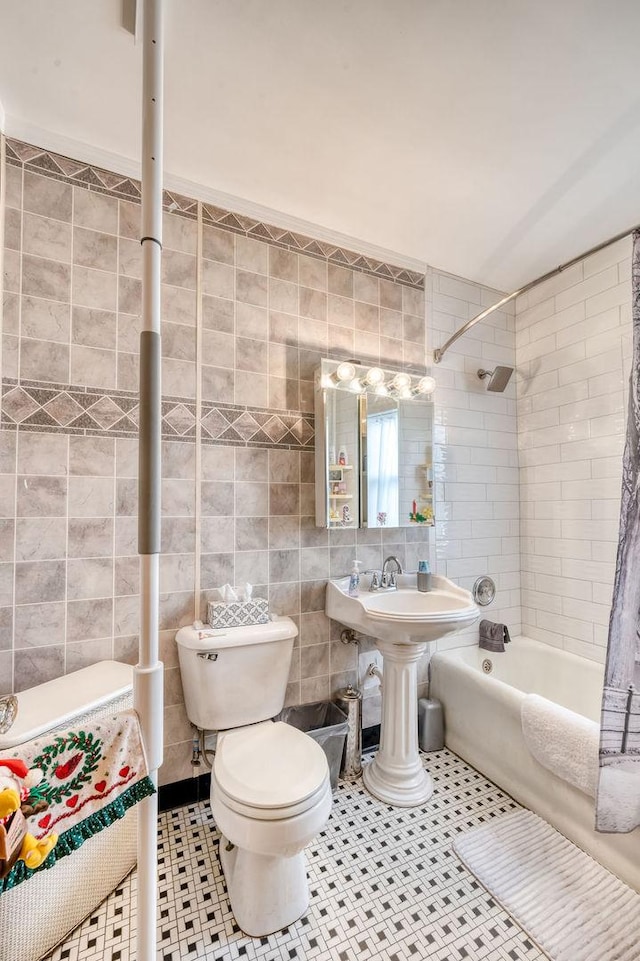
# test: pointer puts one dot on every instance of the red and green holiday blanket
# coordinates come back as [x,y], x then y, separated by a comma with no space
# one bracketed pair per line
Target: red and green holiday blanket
[60,789]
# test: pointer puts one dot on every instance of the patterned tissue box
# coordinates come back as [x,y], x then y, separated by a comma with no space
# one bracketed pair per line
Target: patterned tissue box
[238,613]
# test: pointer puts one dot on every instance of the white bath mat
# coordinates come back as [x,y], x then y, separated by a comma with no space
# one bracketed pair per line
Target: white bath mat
[569,904]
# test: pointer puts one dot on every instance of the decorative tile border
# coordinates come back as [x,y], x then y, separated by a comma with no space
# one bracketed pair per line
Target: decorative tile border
[81,410]
[126,188]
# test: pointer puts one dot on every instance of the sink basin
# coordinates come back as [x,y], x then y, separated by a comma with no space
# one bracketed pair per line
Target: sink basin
[402,621]
[404,615]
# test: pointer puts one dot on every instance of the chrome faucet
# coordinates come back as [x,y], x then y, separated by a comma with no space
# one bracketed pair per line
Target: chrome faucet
[389,577]
[8,712]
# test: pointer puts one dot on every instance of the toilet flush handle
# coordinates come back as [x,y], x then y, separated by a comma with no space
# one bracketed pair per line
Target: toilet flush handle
[208,655]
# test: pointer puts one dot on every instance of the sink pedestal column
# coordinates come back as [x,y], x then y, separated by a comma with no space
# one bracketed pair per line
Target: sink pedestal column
[396,775]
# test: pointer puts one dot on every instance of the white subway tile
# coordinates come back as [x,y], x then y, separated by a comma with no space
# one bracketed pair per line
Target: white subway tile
[603,594]
[590,288]
[589,327]
[542,565]
[563,547]
[572,470]
[592,367]
[557,509]
[591,530]
[533,456]
[547,637]
[566,394]
[608,298]
[481,547]
[562,434]
[563,586]
[468,510]
[568,278]
[501,440]
[601,446]
[466,566]
[612,254]
[608,382]
[592,652]
[567,626]
[529,383]
[508,509]
[538,419]
[592,407]
[586,611]
[465,492]
[537,600]
[587,570]
[606,467]
[460,289]
[609,425]
[608,507]
[532,316]
[537,492]
[475,474]
[596,489]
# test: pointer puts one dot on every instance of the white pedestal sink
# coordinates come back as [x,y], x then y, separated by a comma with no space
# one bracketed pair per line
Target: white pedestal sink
[402,622]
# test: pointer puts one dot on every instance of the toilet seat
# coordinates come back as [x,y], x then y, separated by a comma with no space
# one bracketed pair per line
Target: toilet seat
[269,771]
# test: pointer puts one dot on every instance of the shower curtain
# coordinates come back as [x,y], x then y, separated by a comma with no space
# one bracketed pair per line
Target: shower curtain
[618,802]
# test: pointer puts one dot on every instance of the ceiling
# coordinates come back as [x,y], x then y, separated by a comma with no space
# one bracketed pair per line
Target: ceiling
[490,138]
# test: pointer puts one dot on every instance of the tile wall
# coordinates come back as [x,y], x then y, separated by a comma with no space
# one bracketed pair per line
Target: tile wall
[475,449]
[270,306]
[573,342]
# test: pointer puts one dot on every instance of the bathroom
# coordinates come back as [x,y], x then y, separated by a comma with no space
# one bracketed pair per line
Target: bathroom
[265,274]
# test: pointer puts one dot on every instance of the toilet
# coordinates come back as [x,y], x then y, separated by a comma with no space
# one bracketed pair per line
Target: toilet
[270,789]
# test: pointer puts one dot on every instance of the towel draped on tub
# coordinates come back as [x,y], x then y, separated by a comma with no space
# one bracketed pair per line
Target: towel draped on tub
[562,741]
[91,774]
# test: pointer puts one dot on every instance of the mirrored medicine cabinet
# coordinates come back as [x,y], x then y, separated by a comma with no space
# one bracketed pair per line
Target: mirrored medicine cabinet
[374,443]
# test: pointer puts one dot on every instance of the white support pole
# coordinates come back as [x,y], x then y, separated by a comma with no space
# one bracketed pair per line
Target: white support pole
[148,673]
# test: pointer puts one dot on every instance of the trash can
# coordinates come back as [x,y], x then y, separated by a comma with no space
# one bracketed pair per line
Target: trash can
[326,724]
[430,724]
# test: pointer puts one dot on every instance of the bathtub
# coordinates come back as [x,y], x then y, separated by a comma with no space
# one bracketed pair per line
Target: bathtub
[483,726]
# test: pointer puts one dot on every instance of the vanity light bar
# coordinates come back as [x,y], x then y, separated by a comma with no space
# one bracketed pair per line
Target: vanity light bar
[346,375]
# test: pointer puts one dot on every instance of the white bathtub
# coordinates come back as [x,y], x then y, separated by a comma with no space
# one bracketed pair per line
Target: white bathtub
[483,726]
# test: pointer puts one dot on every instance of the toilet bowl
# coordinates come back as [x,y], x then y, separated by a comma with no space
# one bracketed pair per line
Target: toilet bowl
[270,796]
[270,786]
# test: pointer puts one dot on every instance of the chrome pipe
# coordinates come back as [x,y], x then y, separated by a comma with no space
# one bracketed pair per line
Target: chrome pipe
[439,352]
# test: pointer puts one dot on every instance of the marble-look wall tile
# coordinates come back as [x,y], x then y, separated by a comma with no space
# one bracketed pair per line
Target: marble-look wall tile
[72,316]
[37,666]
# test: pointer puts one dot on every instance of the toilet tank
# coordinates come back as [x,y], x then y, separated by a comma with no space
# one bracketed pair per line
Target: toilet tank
[237,675]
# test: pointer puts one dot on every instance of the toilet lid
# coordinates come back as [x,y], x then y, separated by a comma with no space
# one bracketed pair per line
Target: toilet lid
[269,765]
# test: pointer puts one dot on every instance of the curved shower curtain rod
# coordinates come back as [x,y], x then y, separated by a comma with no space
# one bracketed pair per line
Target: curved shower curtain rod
[439,352]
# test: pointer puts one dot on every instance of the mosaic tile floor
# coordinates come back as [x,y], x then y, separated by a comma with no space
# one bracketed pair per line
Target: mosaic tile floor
[385,884]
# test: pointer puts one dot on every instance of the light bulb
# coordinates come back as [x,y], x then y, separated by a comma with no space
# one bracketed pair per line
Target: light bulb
[382,389]
[375,376]
[401,381]
[356,386]
[345,371]
[426,385]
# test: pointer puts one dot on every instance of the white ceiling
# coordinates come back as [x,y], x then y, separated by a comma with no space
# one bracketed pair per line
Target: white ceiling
[490,138]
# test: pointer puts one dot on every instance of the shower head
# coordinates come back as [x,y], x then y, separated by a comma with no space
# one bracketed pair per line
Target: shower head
[498,378]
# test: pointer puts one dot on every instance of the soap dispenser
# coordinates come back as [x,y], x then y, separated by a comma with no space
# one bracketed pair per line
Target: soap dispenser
[354,579]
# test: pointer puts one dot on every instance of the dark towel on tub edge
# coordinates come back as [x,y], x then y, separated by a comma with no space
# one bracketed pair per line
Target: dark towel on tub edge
[493,637]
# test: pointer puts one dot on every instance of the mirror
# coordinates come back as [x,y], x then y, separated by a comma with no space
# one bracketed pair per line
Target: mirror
[373,447]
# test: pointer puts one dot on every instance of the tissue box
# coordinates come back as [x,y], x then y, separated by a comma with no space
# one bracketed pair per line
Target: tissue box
[238,613]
